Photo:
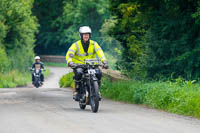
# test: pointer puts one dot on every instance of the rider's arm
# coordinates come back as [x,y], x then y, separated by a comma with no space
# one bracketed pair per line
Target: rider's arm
[99,52]
[70,53]
[42,66]
[33,66]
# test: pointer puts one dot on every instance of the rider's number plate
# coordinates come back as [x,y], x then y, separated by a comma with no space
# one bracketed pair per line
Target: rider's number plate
[91,71]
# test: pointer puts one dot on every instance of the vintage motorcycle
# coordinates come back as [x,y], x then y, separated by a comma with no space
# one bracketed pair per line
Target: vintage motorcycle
[37,74]
[89,89]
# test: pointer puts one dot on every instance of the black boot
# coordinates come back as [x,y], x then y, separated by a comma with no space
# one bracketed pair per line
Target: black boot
[76,92]
[99,83]
[75,96]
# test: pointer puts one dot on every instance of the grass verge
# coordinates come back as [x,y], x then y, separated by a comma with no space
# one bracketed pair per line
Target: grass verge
[47,72]
[67,80]
[179,96]
[15,78]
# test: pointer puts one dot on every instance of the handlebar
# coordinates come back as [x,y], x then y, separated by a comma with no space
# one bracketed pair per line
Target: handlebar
[32,69]
[86,65]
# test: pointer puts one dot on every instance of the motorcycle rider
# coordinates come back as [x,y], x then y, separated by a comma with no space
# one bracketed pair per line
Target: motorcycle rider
[38,65]
[81,50]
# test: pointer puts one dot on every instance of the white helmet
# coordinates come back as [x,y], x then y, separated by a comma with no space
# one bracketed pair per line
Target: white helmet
[37,57]
[85,29]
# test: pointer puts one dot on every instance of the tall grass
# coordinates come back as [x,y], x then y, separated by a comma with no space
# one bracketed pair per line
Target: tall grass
[182,97]
[15,78]
[47,72]
[67,80]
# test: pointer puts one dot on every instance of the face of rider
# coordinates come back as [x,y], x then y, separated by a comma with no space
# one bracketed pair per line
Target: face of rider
[38,61]
[86,37]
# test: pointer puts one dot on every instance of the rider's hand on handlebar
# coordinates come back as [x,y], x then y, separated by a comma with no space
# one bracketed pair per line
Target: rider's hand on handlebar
[72,64]
[105,65]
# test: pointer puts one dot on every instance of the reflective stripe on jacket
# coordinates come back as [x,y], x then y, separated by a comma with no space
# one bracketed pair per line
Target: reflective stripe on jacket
[77,54]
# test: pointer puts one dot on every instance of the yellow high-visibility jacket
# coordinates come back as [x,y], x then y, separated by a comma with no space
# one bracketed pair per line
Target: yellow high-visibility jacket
[77,54]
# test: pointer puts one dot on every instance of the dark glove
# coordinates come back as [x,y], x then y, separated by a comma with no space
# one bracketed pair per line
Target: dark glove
[71,64]
[105,65]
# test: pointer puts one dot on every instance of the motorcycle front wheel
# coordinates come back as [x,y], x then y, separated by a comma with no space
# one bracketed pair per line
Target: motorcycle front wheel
[94,98]
[37,84]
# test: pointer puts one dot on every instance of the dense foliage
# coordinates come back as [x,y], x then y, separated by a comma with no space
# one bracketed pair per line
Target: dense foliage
[17,32]
[130,31]
[17,29]
[59,27]
[49,35]
[160,37]
[154,39]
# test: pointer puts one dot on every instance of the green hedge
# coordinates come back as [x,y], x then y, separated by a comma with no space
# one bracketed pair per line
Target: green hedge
[181,97]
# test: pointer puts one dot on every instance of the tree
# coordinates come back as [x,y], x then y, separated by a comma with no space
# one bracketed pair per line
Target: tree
[173,39]
[161,34]
[17,32]
[130,31]
[59,29]
[48,13]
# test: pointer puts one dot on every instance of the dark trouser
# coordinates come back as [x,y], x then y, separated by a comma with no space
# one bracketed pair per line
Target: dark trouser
[79,73]
[41,77]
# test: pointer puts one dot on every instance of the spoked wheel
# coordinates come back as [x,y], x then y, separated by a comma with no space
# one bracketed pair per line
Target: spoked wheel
[37,84]
[82,103]
[94,99]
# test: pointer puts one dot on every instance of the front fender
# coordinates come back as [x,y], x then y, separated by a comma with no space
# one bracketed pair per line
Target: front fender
[94,78]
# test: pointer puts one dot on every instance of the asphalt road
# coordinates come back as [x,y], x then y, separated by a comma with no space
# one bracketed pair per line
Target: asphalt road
[50,109]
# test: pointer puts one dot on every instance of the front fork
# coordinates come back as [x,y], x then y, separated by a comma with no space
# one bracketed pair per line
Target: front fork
[91,82]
